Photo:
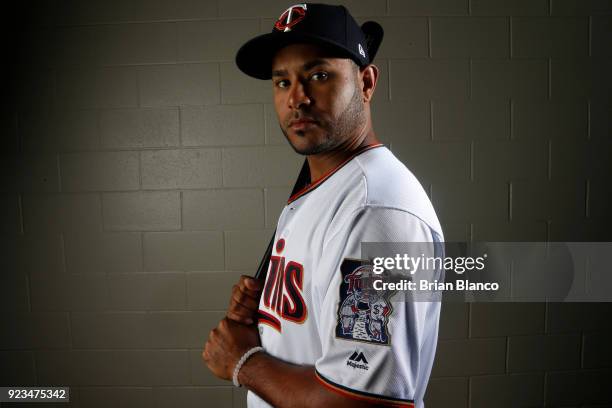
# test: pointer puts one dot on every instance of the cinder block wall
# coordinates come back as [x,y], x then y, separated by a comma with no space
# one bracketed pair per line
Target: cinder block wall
[142,174]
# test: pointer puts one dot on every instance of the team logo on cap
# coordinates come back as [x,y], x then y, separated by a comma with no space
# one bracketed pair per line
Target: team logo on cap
[363,312]
[291,17]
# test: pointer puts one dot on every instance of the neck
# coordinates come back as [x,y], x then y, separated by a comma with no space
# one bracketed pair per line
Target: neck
[321,163]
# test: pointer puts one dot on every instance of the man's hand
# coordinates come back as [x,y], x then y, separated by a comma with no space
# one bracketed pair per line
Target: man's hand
[244,301]
[226,344]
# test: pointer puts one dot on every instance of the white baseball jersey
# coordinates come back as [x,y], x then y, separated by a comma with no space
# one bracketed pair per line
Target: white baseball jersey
[362,345]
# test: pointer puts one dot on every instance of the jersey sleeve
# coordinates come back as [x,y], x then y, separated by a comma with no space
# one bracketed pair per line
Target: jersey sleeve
[377,347]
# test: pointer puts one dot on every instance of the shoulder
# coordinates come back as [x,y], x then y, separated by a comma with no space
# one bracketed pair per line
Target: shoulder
[390,187]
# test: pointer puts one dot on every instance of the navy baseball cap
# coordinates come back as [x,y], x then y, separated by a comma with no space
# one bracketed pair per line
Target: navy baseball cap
[331,27]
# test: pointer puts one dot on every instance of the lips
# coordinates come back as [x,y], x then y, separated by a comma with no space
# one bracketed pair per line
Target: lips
[301,123]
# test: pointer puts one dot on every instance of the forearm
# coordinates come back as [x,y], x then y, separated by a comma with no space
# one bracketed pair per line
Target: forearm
[285,385]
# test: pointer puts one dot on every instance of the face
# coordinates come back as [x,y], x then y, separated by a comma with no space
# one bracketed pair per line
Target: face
[318,99]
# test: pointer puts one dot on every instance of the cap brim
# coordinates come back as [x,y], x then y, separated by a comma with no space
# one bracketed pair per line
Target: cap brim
[254,58]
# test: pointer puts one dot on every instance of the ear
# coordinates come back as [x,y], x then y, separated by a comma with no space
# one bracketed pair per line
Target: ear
[369,77]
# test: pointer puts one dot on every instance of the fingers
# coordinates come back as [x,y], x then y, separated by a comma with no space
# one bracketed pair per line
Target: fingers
[244,300]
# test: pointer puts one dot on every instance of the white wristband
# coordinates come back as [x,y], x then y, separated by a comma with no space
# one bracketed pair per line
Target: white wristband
[241,362]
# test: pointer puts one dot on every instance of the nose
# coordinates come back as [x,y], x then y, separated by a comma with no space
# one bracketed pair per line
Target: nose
[298,96]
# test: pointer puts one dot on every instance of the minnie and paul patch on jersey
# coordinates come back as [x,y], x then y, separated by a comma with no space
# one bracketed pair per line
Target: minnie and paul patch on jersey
[363,312]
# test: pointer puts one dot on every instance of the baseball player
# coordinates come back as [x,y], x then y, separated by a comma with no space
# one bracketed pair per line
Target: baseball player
[315,334]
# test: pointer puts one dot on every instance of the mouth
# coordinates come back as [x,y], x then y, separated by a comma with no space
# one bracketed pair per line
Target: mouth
[301,124]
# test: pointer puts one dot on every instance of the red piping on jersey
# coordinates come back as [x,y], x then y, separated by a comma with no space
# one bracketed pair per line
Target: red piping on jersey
[379,400]
[327,175]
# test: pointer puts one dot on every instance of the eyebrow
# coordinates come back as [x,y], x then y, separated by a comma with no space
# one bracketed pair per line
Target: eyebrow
[306,67]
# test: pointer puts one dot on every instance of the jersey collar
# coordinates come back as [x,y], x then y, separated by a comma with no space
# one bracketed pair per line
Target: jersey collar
[310,187]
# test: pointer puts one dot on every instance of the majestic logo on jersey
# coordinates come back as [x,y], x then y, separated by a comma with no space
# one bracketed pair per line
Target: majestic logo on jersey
[363,312]
[290,17]
[282,294]
[358,360]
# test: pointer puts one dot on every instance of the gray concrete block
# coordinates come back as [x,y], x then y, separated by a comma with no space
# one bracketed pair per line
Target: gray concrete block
[586,230]
[486,119]
[425,78]
[557,120]
[600,192]
[505,8]
[506,319]
[181,84]
[146,43]
[503,161]
[578,78]
[55,130]
[470,357]
[33,254]
[145,10]
[424,158]
[405,37]
[456,231]
[110,87]
[275,201]
[454,321]
[580,7]
[273,132]
[237,87]
[10,210]
[600,119]
[550,37]
[510,231]
[210,290]
[120,397]
[223,209]
[146,291]
[402,122]
[539,201]
[580,160]
[244,249]
[61,212]
[125,128]
[105,171]
[103,252]
[187,168]
[517,79]
[14,292]
[178,330]
[141,211]
[538,353]
[109,330]
[274,8]
[381,93]
[601,36]
[470,202]
[19,368]
[428,8]
[260,166]
[200,374]
[240,398]
[192,397]
[213,39]
[524,390]
[35,330]
[68,293]
[222,125]
[479,37]
[596,352]
[577,317]
[183,251]
[444,392]
[126,367]
[588,387]
[30,173]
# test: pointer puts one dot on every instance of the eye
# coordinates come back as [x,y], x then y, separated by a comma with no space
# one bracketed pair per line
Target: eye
[282,83]
[319,76]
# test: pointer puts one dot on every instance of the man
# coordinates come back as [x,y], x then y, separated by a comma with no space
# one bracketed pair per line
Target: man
[325,338]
